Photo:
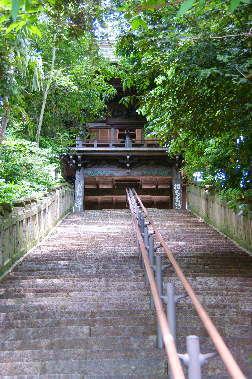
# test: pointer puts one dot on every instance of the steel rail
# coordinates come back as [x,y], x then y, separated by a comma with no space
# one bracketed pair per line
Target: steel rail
[227,357]
[169,343]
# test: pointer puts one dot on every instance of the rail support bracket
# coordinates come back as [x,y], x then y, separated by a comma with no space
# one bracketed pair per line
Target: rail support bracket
[193,359]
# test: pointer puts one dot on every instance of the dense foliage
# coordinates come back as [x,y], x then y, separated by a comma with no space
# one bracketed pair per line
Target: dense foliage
[52,81]
[26,170]
[189,62]
[193,81]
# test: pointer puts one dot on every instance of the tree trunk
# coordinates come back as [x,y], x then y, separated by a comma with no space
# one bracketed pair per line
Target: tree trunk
[40,122]
[5,119]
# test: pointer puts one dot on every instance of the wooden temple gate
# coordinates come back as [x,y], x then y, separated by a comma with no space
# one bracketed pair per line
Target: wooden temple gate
[114,154]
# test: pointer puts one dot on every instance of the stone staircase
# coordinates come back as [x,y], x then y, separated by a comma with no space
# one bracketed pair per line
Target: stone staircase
[77,305]
[221,275]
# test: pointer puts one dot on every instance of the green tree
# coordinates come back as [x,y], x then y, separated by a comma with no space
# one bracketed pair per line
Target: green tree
[192,76]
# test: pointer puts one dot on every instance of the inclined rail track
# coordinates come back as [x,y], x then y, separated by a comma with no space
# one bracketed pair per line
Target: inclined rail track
[142,219]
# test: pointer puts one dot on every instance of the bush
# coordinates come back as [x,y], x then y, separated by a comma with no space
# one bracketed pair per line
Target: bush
[26,170]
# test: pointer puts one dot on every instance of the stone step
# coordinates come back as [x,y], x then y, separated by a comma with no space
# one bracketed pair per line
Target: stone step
[185,320]
[78,267]
[71,313]
[81,342]
[73,283]
[72,331]
[80,376]
[78,354]
[109,300]
[68,321]
[85,257]
[94,293]
[66,274]
[222,285]
[110,304]
[151,366]
[209,258]
[224,330]
[28,334]
[224,274]
[85,296]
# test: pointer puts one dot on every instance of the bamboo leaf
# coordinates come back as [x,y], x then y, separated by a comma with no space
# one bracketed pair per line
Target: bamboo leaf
[3,18]
[11,27]
[187,4]
[20,25]
[234,4]
[15,8]
[35,30]
[137,23]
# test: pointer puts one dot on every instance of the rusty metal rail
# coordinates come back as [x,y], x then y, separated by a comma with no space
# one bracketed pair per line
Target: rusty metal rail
[140,215]
[173,358]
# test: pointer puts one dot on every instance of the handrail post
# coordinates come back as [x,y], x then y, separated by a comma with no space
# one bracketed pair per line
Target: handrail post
[151,249]
[193,350]
[193,359]
[146,244]
[159,280]
[141,227]
[151,259]
[171,309]
[171,301]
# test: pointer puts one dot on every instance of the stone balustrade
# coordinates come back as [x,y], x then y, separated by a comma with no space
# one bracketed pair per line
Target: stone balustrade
[207,205]
[27,221]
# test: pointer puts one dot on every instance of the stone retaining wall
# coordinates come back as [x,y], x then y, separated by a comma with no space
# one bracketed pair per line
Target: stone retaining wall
[208,206]
[28,221]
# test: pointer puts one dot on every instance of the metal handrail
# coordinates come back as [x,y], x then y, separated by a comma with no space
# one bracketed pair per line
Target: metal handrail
[169,343]
[227,357]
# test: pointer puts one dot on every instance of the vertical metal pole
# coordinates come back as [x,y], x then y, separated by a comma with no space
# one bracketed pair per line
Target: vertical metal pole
[146,236]
[151,250]
[141,227]
[193,350]
[159,275]
[159,281]
[142,223]
[146,244]
[151,258]
[171,309]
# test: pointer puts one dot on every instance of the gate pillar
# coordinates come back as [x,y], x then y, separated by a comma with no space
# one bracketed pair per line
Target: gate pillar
[79,190]
[177,197]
